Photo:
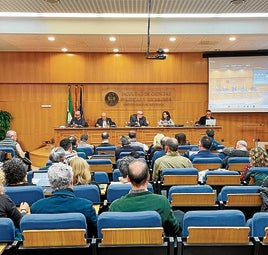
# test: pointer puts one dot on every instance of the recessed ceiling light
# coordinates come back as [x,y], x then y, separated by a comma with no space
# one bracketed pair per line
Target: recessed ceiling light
[237,2]
[115,50]
[166,50]
[51,38]
[112,39]
[172,39]
[64,49]
[52,1]
[232,38]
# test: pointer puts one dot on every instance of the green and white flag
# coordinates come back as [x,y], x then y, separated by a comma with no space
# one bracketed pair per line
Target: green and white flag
[69,113]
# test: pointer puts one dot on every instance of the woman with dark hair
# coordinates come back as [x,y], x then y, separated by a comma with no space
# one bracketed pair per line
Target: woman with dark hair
[181,137]
[166,120]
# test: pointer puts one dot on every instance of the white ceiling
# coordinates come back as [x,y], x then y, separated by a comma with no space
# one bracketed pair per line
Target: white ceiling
[91,32]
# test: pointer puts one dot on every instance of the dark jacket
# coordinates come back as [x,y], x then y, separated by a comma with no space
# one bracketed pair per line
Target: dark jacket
[264,196]
[141,121]
[65,201]
[202,120]
[109,122]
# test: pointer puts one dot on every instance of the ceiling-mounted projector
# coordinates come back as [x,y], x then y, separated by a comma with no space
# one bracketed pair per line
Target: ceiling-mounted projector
[159,55]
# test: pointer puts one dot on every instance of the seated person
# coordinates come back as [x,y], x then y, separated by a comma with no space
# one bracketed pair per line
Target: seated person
[123,168]
[78,121]
[81,171]
[210,133]
[202,120]
[204,149]
[133,141]
[105,140]
[125,147]
[63,199]
[66,144]
[181,137]
[166,120]
[138,120]
[240,150]
[84,142]
[140,199]
[258,158]
[104,121]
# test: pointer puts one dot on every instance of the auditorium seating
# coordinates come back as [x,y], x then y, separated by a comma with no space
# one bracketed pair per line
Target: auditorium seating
[88,191]
[132,233]
[87,150]
[105,150]
[82,154]
[237,163]
[101,177]
[116,175]
[218,232]
[7,237]
[100,165]
[244,198]
[192,197]
[207,163]
[63,233]
[10,151]
[29,194]
[183,148]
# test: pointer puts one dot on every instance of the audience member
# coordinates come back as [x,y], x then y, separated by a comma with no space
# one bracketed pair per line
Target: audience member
[57,155]
[10,141]
[84,142]
[133,141]
[156,146]
[81,171]
[105,140]
[240,150]
[77,120]
[15,172]
[165,120]
[202,120]
[172,159]
[104,122]
[138,120]
[258,158]
[63,199]
[159,153]
[181,137]
[140,199]
[66,144]
[215,144]
[204,149]
[123,168]
[125,147]
[8,208]
[74,142]
[264,195]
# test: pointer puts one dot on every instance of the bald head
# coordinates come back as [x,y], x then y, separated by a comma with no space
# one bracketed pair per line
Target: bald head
[172,144]
[138,173]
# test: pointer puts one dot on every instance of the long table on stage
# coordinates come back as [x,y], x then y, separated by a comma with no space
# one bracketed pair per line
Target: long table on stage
[144,134]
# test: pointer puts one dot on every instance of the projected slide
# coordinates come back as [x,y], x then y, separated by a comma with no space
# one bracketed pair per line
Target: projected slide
[238,84]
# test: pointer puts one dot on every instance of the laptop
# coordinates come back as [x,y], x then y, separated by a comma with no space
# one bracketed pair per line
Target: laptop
[211,122]
[40,178]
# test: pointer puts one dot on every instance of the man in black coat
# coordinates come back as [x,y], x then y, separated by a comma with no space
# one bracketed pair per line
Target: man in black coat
[138,120]
[104,121]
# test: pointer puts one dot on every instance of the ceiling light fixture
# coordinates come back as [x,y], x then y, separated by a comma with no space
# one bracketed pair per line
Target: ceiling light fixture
[112,39]
[237,2]
[52,1]
[159,53]
[51,38]
[64,49]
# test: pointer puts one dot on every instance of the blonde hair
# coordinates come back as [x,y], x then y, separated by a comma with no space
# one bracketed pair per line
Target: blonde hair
[81,171]
[2,181]
[258,157]
[157,140]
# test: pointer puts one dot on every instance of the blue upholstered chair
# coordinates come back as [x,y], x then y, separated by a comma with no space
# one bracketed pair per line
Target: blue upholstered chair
[128,220]
[8,150]
[115,190]
[7,230]
[223,218]
[207,163]
[258,223]
[82,154]
[87,150]
[88,191]
[39,230]
[126,153]
[105,150]
[29,194]
[237,163]
[101,177]
[116,175]
[100,165]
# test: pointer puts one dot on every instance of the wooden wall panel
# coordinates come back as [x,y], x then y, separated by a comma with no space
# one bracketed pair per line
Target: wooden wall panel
[179,85]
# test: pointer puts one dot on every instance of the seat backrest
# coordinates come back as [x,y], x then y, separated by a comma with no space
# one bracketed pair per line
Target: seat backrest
[101,177]
[207,163]
[7,230]
[29,194]
[44,230]
[223,195]
[128,220]
[180,171]
[207,160]
[105,150]
[263,170]
[117,190]
[100,165]
[87,150]
[116,175]
[82,154]
[184,148]
[259,223]
[30,174]
[217,218]
[189,189]
[174,176]
[223,180]
[104,156]
[88,191]
[237,163]
[9,151]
